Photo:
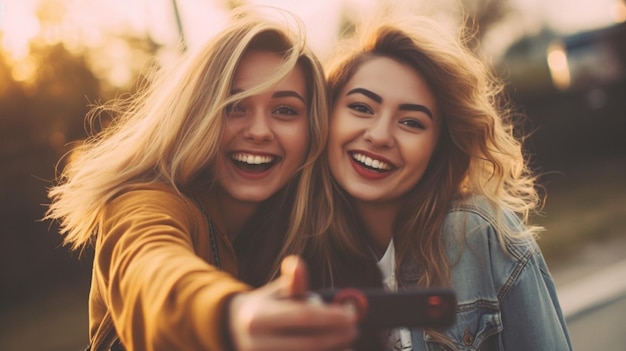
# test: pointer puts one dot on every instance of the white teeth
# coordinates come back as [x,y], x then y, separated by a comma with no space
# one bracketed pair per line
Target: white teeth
[252,159]
[370,162]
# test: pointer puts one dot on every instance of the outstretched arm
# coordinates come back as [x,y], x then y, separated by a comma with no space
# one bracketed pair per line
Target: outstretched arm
[274,317]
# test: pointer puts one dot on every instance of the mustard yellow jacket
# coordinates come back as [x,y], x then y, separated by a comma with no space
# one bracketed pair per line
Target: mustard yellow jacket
[153,271]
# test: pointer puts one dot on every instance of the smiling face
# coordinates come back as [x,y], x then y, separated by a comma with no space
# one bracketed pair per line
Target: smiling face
[265,137]
[384,129]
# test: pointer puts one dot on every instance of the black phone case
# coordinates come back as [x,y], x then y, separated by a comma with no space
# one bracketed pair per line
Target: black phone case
[420,308]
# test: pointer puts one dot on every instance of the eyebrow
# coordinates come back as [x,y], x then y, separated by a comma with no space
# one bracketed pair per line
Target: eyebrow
[278,94]
[403,107]
[418,108]
[370,94]
[287,93]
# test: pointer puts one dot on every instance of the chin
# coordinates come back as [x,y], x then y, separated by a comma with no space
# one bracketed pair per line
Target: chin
[253,198]
[365,197]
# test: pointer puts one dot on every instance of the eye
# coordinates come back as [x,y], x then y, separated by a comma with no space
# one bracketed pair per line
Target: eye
[285,110]
[235,109]
[412,123]
[360,107]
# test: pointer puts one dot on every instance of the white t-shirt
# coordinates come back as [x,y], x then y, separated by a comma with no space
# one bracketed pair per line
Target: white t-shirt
[399,338]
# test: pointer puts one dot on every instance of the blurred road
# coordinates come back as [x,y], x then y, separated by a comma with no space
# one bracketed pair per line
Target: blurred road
[592,292]
[600,328]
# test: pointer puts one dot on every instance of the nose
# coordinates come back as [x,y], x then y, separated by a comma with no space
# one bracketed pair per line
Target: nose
[258,128]
[379,133]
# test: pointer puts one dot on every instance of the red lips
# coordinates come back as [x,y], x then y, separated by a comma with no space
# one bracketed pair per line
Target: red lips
[367,172]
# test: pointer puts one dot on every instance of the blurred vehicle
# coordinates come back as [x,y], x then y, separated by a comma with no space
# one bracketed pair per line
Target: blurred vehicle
[573,89]
[588,61]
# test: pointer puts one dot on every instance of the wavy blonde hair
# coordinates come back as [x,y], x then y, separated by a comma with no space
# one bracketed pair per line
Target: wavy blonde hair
[170,131]
[477,152]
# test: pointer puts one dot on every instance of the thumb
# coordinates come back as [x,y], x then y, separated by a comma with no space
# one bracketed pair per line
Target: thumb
[293,272]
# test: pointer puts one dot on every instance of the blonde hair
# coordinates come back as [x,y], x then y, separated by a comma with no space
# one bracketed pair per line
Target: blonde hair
[170,131]
[477,153]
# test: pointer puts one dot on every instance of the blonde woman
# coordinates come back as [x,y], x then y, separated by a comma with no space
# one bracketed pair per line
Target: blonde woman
[430,181]
[193,163]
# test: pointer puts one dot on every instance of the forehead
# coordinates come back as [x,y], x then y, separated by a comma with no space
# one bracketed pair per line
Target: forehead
[394,81]
[257,67]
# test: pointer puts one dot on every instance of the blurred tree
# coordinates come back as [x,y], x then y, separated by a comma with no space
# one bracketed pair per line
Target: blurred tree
[477,17]
[11,101]
[43,103]
[45,112]
[347,24]
[481,16]
[63,86]
[233,4]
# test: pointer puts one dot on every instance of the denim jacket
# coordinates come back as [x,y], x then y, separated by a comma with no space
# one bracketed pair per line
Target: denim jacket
[506,298]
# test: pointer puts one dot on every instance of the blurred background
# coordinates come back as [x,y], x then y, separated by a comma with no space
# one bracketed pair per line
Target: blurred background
[564,62]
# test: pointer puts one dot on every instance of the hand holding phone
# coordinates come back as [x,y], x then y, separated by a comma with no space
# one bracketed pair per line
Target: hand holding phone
[378,308]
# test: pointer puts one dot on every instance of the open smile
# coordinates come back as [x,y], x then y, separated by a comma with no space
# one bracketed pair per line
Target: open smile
[371,163]
[369,167]
[253,163]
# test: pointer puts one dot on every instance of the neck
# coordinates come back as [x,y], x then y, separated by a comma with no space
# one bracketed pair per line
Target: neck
[378,219]
[228,213]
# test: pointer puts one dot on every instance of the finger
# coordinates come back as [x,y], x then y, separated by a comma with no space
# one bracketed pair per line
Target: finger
[299,315]
[295,275]
[280,320]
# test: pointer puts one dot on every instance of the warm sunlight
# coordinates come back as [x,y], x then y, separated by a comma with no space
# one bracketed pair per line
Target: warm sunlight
[19,23]
[79,81]
[81,25]
[18,26]
[559,69]
[569,16]
[619,11]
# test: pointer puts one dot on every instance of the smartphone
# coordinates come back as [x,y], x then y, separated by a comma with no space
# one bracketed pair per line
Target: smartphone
[379,309]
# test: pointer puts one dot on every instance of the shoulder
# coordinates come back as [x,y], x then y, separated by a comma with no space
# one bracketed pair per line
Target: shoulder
[489,272]
[149,213]
[475,221]
[153,194]
[156,200]
[482,209]
[480,256]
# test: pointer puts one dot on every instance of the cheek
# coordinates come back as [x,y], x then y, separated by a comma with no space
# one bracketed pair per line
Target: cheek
[419,152]
[230,129]
[433,142]
[341,128]
[334,143]
[297,141]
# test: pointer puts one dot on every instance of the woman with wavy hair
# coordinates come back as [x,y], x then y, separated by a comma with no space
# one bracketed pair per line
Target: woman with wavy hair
[221,146]
[429,178]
